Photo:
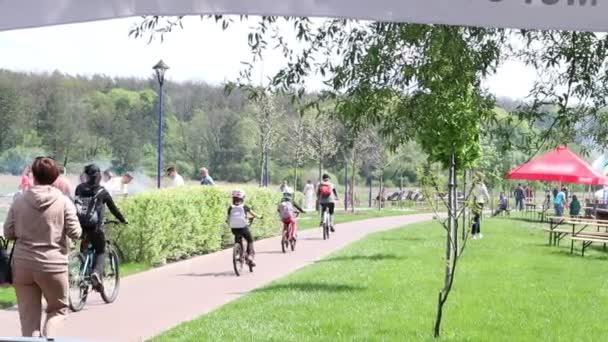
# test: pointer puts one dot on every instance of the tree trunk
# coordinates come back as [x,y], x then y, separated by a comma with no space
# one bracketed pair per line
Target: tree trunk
[320,168]
[262,169]
[295,172]
[380,197]
[352,184]
[451,245]
[295,178]
[345,183]
[66,158]
[370,180]
[464,211]
[266,170]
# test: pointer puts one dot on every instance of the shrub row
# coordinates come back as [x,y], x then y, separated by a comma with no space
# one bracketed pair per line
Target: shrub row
[178,223]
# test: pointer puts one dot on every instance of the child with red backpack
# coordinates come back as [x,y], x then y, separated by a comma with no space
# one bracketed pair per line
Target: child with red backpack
[287,211]
[327,196]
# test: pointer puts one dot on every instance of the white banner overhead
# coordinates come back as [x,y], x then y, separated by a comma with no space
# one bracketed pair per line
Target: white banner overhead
[587,15]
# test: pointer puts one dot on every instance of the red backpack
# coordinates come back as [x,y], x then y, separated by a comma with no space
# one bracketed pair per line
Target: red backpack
[325,190]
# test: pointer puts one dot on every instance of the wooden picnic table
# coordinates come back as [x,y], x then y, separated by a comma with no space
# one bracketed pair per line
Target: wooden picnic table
[556,235]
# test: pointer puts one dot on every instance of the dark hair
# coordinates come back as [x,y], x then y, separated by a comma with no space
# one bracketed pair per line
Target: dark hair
[93,173]
[237,201]
[45,171]
[171,169]
[326,176]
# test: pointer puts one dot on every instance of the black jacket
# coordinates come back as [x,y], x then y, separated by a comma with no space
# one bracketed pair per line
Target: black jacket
[104,199]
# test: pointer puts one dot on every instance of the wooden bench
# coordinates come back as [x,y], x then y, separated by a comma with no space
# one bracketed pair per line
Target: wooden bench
[558,235]
[587,240]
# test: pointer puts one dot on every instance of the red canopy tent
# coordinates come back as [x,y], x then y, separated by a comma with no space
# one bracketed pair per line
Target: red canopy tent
[560,165]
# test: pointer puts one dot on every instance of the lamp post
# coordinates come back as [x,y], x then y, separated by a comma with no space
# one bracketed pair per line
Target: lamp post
[160,68]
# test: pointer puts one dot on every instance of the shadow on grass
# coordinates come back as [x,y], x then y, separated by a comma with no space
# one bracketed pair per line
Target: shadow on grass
[577,254]
[373,257]
[209,274]
[403,239]
[522,219]
[311,287]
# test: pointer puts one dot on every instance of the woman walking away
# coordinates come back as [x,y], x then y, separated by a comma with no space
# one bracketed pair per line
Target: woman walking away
[481,196]
[42,221]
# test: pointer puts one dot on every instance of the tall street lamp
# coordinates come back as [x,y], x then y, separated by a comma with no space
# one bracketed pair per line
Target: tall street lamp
[160,68]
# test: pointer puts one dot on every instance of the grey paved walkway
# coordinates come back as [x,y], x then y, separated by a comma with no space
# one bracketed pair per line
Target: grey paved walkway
[154,301]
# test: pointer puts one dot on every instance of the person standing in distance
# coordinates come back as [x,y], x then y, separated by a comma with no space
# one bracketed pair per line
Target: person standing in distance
[520,196]
[205,178]
[480,191]
[176,178]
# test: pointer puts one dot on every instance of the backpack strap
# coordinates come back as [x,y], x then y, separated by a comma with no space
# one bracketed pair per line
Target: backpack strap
[98,192]
[93,203]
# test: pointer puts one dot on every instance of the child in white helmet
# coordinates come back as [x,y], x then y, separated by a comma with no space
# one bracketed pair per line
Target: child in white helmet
[238,218]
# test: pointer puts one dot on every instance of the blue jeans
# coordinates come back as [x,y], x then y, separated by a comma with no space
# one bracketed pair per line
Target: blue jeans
[559,210]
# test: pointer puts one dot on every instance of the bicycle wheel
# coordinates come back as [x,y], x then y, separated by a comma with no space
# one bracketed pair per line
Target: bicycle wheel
[237,258]
[111,276]
[78,285]
[284,242]
[293,239]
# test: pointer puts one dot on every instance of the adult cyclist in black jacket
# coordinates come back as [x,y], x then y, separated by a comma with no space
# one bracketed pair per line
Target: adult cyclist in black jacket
[95,234]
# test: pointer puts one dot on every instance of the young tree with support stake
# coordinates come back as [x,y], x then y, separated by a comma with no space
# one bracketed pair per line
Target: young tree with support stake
[414,82]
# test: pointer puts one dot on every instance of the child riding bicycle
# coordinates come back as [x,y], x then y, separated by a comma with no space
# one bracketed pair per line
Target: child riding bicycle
[327,196]
[288,211]
[239,219]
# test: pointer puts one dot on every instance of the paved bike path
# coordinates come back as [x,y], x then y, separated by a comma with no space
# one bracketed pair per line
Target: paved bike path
[157,300]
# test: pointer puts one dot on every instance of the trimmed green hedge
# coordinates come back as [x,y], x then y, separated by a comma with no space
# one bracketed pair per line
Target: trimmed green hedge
[178,223]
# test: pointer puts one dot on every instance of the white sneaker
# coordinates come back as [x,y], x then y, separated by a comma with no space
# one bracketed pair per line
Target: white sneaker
[474,237]
[480,236]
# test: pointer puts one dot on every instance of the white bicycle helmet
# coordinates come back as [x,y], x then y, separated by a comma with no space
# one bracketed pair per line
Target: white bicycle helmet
[238,194]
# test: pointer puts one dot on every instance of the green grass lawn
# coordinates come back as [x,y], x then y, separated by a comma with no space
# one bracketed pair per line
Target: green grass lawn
[510,286]
[8,299]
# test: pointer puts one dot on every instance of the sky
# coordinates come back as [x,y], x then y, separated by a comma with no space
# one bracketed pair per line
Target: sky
[199,52]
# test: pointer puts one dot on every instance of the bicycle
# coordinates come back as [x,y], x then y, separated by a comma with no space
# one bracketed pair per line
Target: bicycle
[326,225]
[240,257]
[288,238]
[80,269]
